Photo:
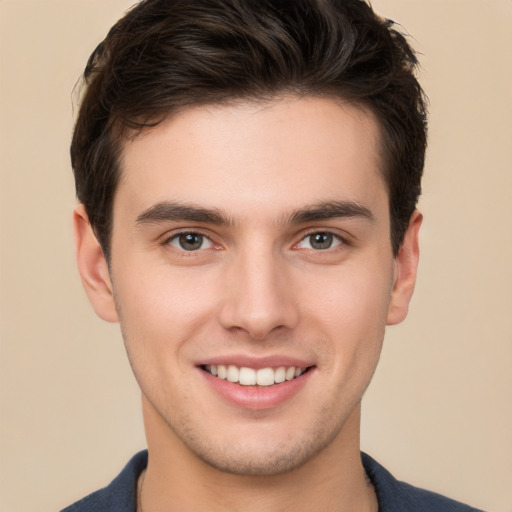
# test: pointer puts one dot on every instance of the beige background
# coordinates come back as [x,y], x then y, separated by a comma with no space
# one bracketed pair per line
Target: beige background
[438,413]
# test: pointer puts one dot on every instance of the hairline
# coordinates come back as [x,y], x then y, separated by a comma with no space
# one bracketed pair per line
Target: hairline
[120,134]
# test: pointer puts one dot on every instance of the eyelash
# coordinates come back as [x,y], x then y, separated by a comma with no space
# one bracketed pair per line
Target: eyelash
[337,240]
[168,241]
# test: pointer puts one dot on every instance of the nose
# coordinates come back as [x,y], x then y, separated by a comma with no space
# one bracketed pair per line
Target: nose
[258,296]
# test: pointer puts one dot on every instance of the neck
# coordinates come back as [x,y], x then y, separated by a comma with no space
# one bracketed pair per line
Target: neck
[176,478]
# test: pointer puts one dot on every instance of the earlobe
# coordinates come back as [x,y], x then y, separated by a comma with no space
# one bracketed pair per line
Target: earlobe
[406,265]
[93,267]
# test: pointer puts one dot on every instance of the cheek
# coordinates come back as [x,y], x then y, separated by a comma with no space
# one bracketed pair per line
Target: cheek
[351,297]
[163,293]
[349,307]
[160,309]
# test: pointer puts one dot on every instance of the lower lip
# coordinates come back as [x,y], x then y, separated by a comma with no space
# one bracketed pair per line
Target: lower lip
[256,398]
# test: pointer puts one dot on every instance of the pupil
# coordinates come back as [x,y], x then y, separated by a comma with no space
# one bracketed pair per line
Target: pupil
[191,241]
[321,240]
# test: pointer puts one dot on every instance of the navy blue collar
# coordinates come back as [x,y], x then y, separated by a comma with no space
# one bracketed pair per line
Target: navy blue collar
[393,495]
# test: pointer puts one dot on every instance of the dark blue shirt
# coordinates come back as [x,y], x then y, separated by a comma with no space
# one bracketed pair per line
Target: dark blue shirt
[393,496]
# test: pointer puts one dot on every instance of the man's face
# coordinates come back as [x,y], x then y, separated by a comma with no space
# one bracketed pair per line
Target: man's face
[254,237]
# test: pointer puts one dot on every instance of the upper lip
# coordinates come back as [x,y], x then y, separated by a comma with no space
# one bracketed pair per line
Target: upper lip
[270,361]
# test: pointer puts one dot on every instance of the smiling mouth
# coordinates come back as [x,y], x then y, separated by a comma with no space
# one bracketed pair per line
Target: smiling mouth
[250,377]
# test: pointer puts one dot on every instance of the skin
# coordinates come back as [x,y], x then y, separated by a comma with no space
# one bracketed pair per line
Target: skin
[255,287]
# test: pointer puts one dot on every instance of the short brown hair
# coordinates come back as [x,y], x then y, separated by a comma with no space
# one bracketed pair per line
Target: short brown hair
[166,55]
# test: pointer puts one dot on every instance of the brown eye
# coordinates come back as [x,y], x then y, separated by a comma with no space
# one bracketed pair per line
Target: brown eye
[320,241]
[190,241]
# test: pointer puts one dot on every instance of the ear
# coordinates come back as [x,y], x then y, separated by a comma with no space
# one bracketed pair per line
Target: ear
[93,267]
[406,265]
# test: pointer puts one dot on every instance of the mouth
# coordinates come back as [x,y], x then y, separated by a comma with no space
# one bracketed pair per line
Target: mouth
[262,377]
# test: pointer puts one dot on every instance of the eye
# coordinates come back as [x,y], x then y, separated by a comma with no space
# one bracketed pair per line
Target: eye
[190,241]
[320,241]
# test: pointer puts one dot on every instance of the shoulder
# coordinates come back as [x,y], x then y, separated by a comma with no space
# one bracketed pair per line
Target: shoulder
[396,496]
[120,495]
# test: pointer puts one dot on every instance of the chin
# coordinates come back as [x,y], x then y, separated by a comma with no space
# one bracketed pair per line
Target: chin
[267,453]
[244,462]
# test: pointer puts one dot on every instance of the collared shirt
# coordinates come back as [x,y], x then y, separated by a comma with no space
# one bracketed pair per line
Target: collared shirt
[392,495]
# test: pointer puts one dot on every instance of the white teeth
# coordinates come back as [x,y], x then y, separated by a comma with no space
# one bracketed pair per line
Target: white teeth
[280,375]
[290,373]
[247,376]
[250,377]
[221,371]
[265,377]
[232,373]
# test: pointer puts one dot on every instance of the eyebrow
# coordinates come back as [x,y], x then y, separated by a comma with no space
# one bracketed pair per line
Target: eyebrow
[331,210]
[166,211]
[170,211]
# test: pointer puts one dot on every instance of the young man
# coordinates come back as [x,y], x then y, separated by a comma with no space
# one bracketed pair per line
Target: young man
[247,175]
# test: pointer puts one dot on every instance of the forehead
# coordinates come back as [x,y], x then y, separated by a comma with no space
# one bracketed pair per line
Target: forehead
[249,156]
